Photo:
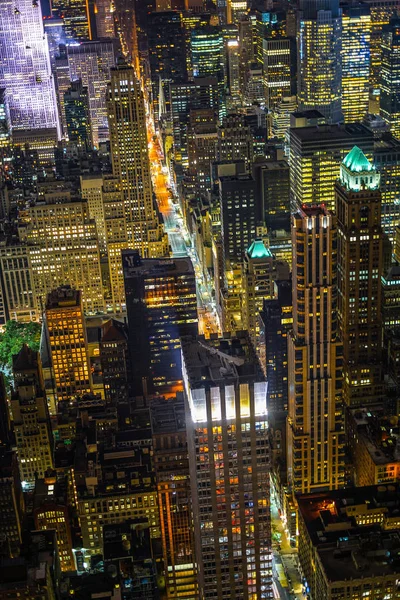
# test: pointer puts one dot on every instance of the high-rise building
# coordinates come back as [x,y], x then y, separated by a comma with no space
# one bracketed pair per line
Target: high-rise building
[50,511]
[62,82]
[360,269]
[390,76]
[161,305]
[167,47]
[319,60]
[92,62]
[278,62]
[381,13]
[207,58]
[315,434]
[63,247]
[31,417]
[12,501]
[202,139]
[17,282]
[229,462]
[356,34]
[115,361]
[273,188]
[76,17]
[25,70]
[235,140]
[386,159]
[77,114]
[105,26]
[260,270]
[67,340]
[315,156]
[239,214]
[130,162]
[171,465]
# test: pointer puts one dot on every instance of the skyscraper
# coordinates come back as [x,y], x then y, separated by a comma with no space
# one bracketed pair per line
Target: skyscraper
[207,57]
[105,26]
[25,66]
[67,341]
[115,361]
[315,424]
[229,462]
[130,162]
[360,262]
[319,58]
[390,76]
[75,14]
[31,416]
[161,305]
[77,114]
[92,62]
[12,501]
[356,34]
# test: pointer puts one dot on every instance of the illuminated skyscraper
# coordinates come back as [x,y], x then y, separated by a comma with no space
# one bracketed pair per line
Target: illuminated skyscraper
[315,423]
[360,264]
[161,305]
[390,76]
[25,70]
[75,14]
[229,462]
[12,501]
[67,339]
[207,54]
[319,63]
[356,34]
[130,162]
[92,62]
[31,416]
[105,26]
[171,465]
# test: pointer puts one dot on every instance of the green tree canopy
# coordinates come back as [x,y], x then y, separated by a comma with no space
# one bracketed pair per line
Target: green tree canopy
[12,339]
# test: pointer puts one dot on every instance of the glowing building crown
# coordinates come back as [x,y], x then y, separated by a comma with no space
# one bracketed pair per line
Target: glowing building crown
[357,173]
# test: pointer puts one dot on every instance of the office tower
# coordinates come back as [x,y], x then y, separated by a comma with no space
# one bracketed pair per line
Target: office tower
[381,13]
[25,66]
[12,501]
[273,189]
[167,48]
[360,262]
[389,81]
[16,279]
[319,62]
[315,155]
[62,246]
[315,421]
[236,10]
[171,466]
[77,115]
[239,214]
[207,57]
[279,65]
[92,62]
[105,26]
[50,511]
[229,464]
[67,340]
[356,34]
[130,162]
[62,82]
[202,138]
[115,361]
[201,93]
[235,140]
[31,417]
[246,48]
[232,52]
[260,270]
[254,90]
[75,14]
[55,33]
[161,306]
[280,117]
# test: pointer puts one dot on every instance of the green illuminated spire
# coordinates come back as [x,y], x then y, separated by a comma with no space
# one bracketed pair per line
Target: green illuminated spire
[258,250]
[356,161]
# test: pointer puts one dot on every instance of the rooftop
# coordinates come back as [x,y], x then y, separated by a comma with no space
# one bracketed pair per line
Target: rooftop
[226,359]
[379,433]
[62,297]
[167,416]
[258,250]
[356,161]
[325,134]
[135,266]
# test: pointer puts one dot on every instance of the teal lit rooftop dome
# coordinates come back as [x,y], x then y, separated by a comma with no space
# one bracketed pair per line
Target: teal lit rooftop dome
[258,250]
[356,161]
[357,172]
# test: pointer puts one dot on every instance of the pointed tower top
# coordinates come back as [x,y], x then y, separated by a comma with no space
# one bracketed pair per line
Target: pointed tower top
[258,250]
[356,161]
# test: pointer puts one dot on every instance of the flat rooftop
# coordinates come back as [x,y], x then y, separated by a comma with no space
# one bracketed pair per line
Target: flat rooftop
[168,416]
[63,297]
[220,359]
[328,133]
[348,550]
[379,433]
[134,266]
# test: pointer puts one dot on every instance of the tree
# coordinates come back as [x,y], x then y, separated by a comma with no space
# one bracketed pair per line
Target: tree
[12,339]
